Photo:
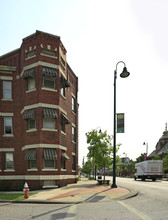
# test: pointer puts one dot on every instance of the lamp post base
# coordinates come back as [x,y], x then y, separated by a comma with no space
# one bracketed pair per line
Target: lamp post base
[113,185]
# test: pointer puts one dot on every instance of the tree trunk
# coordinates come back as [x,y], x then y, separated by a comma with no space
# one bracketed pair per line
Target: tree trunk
[104,171]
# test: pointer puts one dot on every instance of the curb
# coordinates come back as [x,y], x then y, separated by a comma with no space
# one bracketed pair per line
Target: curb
[132,194]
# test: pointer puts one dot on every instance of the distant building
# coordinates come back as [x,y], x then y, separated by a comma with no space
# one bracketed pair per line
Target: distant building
[125,160]
[161,147]
[38,114]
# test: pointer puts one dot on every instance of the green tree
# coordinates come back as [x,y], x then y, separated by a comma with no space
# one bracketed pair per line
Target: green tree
[165,163]
[140,158]
[87,167]
[100,148]
[156,157]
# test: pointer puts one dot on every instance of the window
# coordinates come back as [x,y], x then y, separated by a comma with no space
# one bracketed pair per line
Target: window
[31,157]
[50,164]
[62,123]
[32,164]
[49,118]
[9,161]
[49,82]
[30,83]
[49,78]
[73,134]
[30,117]
[73,162]
[64,157]
[29,76]
[62,86]
[49,123]
[50,157]
[31,124]
[49,183]
[7,89]
[62,61]
[8,125]
[73,105]
[63,160]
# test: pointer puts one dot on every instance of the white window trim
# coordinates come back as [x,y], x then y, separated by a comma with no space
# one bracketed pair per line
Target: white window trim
[31,90]
[10,90]
[9,100]
[48,129]
[49,169]
[63,133]
[31,130]
[63,96]
[33,169]
[8,135]
[63,169]
[45,55]
[48,89]
[9,170]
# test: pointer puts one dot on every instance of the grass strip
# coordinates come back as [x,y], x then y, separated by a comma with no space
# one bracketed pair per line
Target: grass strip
[13,196]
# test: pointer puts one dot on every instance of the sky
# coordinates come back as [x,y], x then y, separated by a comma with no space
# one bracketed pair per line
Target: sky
[97,35]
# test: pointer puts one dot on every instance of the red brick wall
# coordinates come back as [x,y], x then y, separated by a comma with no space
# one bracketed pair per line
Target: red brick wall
[22,99]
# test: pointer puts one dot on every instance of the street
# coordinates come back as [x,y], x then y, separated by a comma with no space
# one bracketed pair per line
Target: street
[150,204]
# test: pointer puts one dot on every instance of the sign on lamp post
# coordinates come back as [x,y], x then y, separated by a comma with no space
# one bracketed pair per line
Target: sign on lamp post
[120,123]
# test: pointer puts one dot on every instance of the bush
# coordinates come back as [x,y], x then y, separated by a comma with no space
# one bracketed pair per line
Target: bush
[90,178]
[18,185]
[4,186]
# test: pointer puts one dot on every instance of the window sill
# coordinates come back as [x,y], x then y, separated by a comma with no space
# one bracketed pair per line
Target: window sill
[31,90]
[31,130]
[8,135]
[63,96]
[50,169]
[63,133]
[28,58]
[45,55]
[73,113]
[73,171]
[48,89]
[7,100]
[9,170]
[32,169]
[49,186]
[63,169]
[74,142]
[48,129]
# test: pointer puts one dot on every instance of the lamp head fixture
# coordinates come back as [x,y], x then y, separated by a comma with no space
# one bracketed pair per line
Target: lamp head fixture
[124,73]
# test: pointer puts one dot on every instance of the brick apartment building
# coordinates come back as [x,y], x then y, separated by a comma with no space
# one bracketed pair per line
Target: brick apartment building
[38,114]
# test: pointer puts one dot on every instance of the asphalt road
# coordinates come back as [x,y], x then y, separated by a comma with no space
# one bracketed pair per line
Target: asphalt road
[150,204]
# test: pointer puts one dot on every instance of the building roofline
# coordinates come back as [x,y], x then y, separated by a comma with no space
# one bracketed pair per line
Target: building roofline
[45,33]
[13,51]
[42,32]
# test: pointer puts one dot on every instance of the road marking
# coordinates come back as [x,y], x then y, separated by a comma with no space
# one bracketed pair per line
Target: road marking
[135,211]
[71,211]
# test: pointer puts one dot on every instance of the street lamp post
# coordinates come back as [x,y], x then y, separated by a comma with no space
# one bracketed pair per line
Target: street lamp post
[146,143]
[124,74]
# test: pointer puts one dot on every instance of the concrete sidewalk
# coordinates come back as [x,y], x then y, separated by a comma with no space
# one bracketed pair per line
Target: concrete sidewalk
[84,191]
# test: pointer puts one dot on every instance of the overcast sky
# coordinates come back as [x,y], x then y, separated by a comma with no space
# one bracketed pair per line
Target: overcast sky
[97,34]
